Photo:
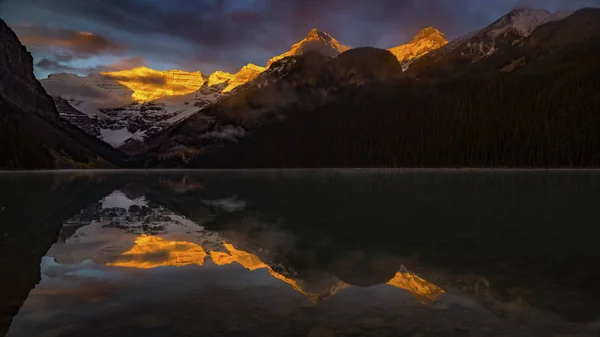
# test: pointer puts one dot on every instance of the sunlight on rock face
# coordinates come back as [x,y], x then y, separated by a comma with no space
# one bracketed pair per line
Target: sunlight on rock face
[219,77]
[152,252]
[429,39]
[245,75]
[422,290]
[316,40]
[149,84]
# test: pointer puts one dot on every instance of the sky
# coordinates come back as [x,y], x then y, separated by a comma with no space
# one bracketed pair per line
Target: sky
[87,36]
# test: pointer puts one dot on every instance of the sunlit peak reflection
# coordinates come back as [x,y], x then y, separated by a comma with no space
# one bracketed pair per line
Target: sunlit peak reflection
[253,262]
[153,251]
[422,290]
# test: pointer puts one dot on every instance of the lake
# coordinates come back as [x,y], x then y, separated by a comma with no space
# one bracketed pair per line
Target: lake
[300,253]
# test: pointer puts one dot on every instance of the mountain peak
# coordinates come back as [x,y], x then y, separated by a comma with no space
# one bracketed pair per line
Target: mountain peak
[428,33]
[148,84]
[318,34]
[521,20]
[252,66]
[424,42]
[317,41]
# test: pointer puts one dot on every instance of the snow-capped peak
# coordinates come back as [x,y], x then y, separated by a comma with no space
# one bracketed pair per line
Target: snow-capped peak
[524,21]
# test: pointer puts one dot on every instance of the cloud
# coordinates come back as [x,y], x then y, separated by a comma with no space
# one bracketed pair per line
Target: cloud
[228,133]
[54,66]
[227,34]
[126,63]
[74,89]
[140,79]
[57,65]
[73,43]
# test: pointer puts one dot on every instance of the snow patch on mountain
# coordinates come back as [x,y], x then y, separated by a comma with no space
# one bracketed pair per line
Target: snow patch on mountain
[510,29]
[118,199]
[104,108]
[523,21]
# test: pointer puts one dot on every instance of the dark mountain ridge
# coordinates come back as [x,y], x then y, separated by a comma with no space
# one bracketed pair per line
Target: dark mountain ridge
[32,136]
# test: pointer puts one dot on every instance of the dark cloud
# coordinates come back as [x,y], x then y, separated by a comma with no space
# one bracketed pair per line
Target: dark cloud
[61,88]
[75,44]
[54,66]
[231,33]
[141,79]
[57,65]
[122,64]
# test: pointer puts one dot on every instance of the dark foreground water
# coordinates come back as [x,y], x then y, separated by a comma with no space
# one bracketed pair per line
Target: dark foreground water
[300,253]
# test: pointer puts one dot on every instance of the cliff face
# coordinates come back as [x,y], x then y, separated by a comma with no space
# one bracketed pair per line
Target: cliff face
[427,40]
[18,85]
[245,75]
[316,41]
[149,84]
[31,134]
[219,77]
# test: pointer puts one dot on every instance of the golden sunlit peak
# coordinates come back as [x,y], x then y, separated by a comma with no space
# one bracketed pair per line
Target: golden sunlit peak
[153,251]
[149,84]
[317,41]
[219,77]
[419,288]
[316,33]
[425,41]
[245,75]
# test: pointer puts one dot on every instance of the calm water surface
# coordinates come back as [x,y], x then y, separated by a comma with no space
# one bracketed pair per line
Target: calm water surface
[300,253]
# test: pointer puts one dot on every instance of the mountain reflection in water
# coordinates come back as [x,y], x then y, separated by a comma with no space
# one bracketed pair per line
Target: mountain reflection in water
[300,253]
[152,252]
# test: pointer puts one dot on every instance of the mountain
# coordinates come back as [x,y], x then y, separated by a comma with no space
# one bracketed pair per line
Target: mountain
[429,39]
[542,113]
[245,75]
[149,84]
[316,41]
[132,105]
[502,34]
[286,82]
[361,65]
[125,230]
[32,136]
[300,82]
[27,233]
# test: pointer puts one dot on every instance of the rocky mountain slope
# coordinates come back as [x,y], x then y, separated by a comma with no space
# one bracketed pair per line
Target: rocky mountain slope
[502,34]
[315,41]
[297,82]
[149,84]
[245,75]
[429,39]
[32,136]
[135,104]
